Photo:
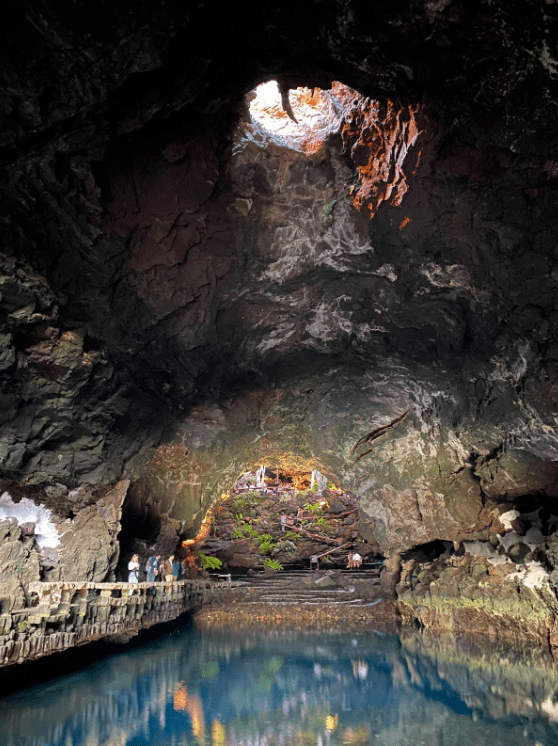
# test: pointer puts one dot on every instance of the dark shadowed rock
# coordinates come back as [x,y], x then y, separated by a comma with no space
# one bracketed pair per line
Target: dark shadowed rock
[334,503]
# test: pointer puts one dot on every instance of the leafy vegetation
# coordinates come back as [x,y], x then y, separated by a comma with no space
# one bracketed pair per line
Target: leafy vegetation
[209,563]
[274,564]
[244,503]
[313,507]
[266,544]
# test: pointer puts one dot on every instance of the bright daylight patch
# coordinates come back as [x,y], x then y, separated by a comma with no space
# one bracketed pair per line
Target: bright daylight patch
[25,511]
[314,110]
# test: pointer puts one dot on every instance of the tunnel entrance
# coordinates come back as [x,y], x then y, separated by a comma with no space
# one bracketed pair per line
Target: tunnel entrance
[283,518]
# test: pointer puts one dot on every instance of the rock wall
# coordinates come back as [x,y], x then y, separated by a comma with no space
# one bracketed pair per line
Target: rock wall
[85,545]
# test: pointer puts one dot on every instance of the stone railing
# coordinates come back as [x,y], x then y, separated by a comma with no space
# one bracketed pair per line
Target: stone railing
[66,614]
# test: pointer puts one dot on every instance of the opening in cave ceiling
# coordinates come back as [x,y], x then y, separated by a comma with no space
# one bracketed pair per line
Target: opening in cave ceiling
[301,118]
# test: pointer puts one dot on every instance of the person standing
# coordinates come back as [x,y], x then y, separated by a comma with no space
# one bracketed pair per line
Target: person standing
[152,568]
[168,567]
[176,568]
[133,569]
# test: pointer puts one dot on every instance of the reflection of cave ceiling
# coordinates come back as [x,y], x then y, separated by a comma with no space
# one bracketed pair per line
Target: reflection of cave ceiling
[161,253]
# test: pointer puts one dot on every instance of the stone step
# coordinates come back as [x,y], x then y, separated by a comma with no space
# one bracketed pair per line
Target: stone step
[316,602]
[294,584]
[272,597]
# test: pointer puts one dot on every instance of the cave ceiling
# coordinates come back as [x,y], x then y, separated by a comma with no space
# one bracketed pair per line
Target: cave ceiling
[383,302]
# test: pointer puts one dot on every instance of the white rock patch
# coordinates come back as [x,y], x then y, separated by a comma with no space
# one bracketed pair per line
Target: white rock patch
[479,549]
[25,511]
[533,538]
[533,575]
[507,518]
[550,708]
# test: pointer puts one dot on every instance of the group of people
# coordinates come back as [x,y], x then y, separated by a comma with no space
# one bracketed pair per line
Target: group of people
[157,569]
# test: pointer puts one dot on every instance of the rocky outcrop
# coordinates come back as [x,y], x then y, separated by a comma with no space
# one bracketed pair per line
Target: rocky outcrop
[89,543]
[247,531]
[19,563]
[83,547]
[504,588]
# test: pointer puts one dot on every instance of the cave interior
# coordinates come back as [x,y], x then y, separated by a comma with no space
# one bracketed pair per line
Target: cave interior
[360,272]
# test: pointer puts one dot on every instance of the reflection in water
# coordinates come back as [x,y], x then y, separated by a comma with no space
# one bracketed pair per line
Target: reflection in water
[247,688]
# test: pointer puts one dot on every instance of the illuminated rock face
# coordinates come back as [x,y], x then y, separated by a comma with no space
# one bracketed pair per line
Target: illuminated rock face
[381,301]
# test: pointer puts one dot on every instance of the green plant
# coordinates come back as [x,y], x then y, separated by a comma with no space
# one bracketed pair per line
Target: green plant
[238,533]
[321,522]
[274,564]
[243,503]
[313,507]
[250,530]
[291,535]
[266,544]
[238,517]
[209,563]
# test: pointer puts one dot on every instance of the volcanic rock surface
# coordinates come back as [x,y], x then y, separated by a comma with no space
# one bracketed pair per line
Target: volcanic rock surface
[184,295]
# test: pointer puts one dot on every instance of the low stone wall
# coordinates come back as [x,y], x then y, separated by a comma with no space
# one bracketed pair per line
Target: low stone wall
[67,614]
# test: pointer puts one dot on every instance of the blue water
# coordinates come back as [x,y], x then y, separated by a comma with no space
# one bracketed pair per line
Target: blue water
[245,688]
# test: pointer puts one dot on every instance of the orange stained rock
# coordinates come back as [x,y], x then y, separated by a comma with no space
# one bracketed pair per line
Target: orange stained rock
[379,138]
[404,223]
[205,527]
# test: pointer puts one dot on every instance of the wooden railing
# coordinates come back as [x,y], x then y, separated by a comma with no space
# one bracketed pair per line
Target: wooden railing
[65,614]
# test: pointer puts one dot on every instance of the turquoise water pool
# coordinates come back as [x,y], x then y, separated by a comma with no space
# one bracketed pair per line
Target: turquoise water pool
[234,687]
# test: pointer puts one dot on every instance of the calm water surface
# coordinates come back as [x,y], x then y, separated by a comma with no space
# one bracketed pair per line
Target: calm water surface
[257,688]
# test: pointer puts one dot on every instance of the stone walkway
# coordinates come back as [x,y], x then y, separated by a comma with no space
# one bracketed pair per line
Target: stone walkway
[66,614]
